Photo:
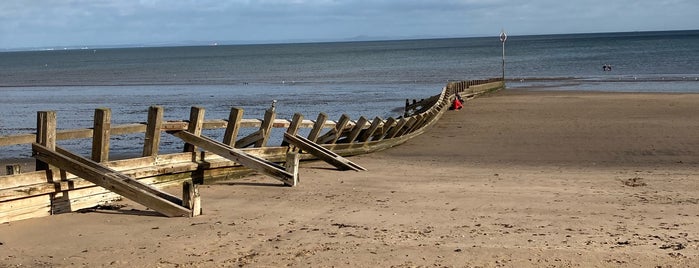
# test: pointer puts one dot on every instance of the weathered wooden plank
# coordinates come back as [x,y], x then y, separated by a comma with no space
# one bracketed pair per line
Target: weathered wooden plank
[196,120]
[366,135]
[317,127]
[151,143]
[17,139]
[46,134]
[266,127]
[191,197]
[334,134]
[250,140]
[414,126]
[395,129]
[100,134]
[106,170]
[118,183]
[237,155]
[234,120]
[322,153]
[174,125]
[118,130]
[26,208]
[358,127]
[82,198]
[381,133]
[294,126]
[291,165]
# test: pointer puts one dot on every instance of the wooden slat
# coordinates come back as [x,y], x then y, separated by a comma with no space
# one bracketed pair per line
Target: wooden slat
[249,140]
[322,153]
[263,166]
[27,208]
[113,181]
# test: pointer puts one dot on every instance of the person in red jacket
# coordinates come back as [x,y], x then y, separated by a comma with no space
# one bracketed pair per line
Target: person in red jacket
[457,105]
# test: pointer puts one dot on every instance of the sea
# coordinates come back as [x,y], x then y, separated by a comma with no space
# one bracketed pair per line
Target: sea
[363,78]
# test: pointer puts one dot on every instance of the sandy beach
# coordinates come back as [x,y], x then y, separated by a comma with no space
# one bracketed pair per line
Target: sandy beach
[515,179]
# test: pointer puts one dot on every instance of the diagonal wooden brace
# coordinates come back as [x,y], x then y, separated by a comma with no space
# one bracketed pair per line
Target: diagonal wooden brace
[112,180]
[239,156]
[321,152]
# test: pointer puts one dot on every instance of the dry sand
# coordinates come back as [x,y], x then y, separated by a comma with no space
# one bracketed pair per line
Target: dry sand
[515,179]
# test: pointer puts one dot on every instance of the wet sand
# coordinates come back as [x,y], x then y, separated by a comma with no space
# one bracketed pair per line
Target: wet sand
[515,179]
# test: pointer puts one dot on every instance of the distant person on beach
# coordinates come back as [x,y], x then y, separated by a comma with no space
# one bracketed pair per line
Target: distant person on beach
[607,68]
[458,97]
[457,104]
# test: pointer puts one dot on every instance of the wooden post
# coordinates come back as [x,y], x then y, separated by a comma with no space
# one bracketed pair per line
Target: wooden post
[46,136]
[366,136]
[334,134]
[234,119]
[292,166]
[407,105]
[357,129]
[14,169]
[151,143]
[395,129]
[293,127]
[100,134]
[384,130]
[317,127]
[266,127]
[196,121]
[406,128]
[191,198]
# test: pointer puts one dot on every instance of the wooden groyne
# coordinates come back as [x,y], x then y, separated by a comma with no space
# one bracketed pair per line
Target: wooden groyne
[64,181]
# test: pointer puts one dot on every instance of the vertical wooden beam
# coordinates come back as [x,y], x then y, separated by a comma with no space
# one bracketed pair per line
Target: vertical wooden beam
[191,198]
[317,127]
[151,143]
[45,135]
[292,166]
[407,105]
[293,127]
[266,127]
[357,129]
[14,169]
[196,121]
[100,134]
[234,119]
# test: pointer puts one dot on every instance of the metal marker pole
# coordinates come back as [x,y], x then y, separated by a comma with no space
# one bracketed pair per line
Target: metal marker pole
[503,38]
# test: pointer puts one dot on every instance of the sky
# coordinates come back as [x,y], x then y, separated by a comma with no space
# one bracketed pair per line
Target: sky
[56,23]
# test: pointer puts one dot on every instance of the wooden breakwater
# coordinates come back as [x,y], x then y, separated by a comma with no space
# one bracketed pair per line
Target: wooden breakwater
[64,181]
